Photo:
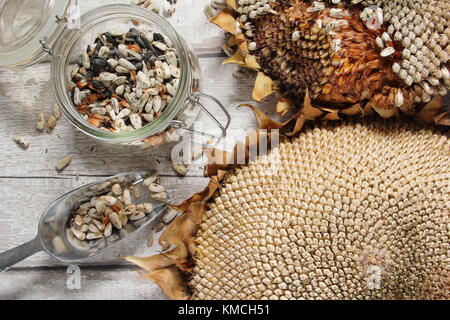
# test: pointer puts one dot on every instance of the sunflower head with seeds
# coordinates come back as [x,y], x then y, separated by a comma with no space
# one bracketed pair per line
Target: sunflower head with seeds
[345,58]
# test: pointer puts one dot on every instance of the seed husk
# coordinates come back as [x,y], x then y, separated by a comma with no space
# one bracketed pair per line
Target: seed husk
[40,122]
[62,163]
[50,124]
[21,142]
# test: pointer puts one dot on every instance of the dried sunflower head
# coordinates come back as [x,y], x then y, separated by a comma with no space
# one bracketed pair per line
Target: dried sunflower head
[387,56]
[348,211]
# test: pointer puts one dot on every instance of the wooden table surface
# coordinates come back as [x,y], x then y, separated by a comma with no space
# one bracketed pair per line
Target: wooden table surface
[29,182]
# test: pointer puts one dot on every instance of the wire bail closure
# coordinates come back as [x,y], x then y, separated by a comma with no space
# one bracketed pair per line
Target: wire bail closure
[195,99]
[45,47]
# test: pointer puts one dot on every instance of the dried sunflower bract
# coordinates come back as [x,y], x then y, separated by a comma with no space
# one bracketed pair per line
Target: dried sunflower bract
[354,57]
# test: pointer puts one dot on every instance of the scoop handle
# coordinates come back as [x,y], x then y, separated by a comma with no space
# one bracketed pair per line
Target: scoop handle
[17,254]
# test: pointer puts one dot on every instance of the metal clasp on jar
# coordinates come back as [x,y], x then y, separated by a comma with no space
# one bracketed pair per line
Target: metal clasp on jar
[195,100]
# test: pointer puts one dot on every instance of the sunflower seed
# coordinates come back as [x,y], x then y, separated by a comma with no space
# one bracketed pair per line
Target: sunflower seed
[108,230]
[117,189]
[162,196]
[40,122]
[126,197]
[150,180]
[62,163]
[145,207]
[79,234]
[116,221]
[21,142]
[169,216]
[56,111]
[50,124]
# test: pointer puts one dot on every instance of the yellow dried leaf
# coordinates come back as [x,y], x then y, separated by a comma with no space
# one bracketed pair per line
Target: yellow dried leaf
[238,58]
[242,42]
[284,105]
[251,62]
[171,281]
[264,121]
[232,4]
[225,20]
[308,110]
[263,87]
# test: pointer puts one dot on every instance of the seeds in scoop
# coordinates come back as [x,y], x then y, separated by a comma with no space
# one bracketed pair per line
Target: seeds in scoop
[156,188]
[62,163]
[101,215]
[21,142]
[127,197]
[162,196]
[169,216]
[117,189]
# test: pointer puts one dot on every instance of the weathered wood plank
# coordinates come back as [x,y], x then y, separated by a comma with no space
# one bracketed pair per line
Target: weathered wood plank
[95,284]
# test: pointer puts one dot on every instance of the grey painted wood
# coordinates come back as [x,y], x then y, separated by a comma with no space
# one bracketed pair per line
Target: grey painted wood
[28,181]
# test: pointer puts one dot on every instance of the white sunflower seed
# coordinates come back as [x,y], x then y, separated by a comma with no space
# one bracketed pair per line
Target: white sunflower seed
[21,142]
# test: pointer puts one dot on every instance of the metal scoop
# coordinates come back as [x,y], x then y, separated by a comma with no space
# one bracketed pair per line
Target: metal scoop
[54,236]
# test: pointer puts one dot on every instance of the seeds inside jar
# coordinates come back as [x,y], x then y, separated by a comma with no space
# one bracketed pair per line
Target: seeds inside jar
[106,215]
[125,80]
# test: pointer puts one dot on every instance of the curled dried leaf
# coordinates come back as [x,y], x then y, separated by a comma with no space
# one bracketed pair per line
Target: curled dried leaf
[284,105]
[263,87]
[232,4]
[238,58]
[250,61]
[430,110]
[171,281]
[225,20]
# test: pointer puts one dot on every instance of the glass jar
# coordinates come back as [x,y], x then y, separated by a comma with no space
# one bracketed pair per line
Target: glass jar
[67,37]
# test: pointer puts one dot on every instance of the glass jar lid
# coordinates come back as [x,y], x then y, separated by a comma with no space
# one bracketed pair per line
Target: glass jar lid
[26,26]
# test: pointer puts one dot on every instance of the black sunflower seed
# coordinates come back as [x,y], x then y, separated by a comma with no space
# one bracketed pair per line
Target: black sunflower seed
[132,33]
[98,85]
[129,40]
[158,37]
[99,64]
[141,42]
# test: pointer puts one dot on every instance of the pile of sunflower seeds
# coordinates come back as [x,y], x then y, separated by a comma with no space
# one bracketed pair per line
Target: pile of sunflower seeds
[125,80]
[114,211]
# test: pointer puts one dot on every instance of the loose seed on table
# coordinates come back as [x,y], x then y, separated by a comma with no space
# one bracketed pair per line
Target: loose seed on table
[50,124]
[156,188]
[56,111]
[40,122]
[170,215]
[62,163]
[21,142]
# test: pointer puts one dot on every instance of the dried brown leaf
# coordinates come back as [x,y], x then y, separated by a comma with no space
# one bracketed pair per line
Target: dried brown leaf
[263,87]
[250,61]
[430,110]
[232,4]
[238,58]
[171,281]
[225,20]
